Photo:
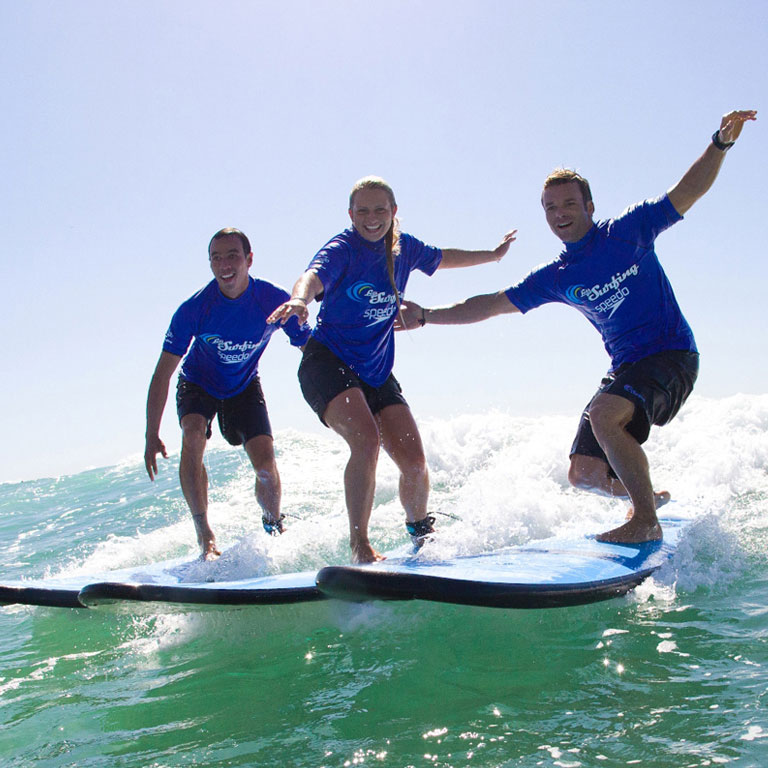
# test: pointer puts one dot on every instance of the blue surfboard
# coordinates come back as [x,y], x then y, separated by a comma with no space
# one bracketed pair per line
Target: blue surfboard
[173,581]
[550,573]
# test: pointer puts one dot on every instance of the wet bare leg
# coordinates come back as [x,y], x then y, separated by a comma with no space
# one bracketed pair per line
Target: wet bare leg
[609,415]
[261,452]
[402,441]
[348,414]
[194,481]
[590,473]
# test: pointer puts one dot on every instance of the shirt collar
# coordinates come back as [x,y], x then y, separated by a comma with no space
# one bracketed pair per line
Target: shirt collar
[378,247]
[575,252]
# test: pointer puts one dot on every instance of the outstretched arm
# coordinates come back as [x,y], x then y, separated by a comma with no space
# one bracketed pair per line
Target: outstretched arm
[702,174]
[472,310]
[453,257]
[156,399]
[305,289]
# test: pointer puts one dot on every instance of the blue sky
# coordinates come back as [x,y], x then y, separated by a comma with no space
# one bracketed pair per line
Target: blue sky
[133,130]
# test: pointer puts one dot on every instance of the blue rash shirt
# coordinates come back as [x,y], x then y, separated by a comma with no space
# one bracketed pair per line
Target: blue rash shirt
[613,277]
[357,315]
[230,335]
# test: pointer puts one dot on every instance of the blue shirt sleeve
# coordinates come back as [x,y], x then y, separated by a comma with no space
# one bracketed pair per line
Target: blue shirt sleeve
[533,290]
[179,335]
[643,222]
[331,262]
[425,258]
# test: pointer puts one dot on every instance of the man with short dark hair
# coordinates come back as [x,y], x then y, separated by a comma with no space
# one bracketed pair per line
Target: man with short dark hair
[610,273]
[226,324]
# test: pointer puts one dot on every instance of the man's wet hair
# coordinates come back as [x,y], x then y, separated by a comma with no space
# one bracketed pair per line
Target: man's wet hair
[231,231]
[566,176]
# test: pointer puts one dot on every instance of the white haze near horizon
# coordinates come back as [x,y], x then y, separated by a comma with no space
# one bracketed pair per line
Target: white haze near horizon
[134,130]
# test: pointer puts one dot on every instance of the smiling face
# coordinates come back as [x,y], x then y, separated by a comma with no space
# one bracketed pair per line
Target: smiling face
[372,213]
[230,265]
[568,215]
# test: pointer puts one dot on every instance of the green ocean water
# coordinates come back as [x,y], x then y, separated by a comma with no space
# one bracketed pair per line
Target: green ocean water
[675,674]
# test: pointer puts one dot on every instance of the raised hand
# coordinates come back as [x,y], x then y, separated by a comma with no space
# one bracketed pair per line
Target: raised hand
[733,122]
[501,249]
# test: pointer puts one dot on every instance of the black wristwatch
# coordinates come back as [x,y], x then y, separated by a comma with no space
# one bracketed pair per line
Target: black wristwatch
[723,146]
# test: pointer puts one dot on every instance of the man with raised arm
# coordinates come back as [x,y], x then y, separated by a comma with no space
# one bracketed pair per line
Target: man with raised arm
[609,271]
[226,324]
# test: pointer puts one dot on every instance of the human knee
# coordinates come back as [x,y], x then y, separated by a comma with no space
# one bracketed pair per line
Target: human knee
[364,442]
[577,475]
[599,416]
[587,472]
[263,461]
[603,421]
[261,452]
[194,426]
[193,441]
[414,468]
[610,414]
[404,446]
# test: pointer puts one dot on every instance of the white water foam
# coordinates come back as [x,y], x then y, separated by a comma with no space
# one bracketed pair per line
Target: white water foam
[496,480]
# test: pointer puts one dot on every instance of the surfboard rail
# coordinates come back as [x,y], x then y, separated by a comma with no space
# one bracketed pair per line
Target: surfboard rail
[51,597]
[103,593]
[339,582]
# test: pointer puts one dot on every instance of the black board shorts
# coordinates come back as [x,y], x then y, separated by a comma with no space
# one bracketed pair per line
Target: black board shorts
[323,376]
[241,417]
[658,385]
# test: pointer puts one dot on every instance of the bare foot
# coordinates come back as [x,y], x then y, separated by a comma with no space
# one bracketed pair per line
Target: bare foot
[210,551]
[205,537]
[363,552]
[632,532]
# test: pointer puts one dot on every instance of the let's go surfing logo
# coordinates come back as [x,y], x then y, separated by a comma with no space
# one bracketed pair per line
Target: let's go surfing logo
[580,294]
[381,304]
[229,351]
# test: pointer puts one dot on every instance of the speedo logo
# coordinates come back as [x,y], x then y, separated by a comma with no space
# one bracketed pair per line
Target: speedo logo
[365,293]
[613,302]
[230,351]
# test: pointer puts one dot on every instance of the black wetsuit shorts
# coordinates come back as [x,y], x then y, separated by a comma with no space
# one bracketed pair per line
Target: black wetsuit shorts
[241,417]
[658,385]
[323,376]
